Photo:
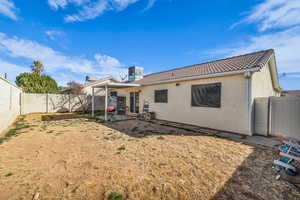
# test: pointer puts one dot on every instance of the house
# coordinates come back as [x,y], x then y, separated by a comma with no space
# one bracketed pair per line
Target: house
[218,94]
[291,93]
[87,86]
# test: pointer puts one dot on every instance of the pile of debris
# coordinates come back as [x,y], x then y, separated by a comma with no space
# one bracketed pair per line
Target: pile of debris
[287,162]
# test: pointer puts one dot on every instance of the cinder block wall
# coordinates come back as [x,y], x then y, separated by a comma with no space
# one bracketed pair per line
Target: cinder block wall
[9,103]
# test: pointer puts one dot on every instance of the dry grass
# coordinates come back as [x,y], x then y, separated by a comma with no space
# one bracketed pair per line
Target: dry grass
[82,159]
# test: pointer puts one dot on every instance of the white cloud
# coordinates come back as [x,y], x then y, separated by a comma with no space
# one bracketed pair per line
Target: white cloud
[56,62]
[56,4]
[7,8]
[11,70]
[285,43]
[150,4]
[88,9]
[54,34]
[271,14]
[122,4]
[109,65]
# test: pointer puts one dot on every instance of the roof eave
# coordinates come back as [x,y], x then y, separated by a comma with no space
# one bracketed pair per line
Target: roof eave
[255,69]
[115,85]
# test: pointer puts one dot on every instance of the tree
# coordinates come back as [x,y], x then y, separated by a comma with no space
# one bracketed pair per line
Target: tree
[82,101]
[37,67]
[75,88]
[36,83]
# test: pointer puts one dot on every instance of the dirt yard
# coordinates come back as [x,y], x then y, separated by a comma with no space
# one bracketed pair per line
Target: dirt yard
[82,159]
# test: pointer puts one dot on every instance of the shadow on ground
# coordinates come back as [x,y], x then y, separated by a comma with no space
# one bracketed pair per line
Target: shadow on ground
[253,179]
[56,117]
[138,129]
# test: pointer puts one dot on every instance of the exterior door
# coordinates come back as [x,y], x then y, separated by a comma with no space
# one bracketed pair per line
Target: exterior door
[134,102]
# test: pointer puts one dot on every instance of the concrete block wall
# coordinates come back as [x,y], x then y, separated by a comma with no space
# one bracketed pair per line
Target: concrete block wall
[9,103]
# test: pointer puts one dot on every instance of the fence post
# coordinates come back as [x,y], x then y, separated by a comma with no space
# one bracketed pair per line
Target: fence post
[269,115]
[47,102]
[69,103]
[20,102]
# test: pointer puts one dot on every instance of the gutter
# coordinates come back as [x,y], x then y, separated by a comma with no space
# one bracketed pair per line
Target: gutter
[249,103]
[255,69]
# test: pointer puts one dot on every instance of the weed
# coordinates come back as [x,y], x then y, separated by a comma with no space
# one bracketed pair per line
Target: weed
[8,174]
[160,138]
[115,196]
[2,140]
[50,131]
[19,125]
[134,129]
[121,148]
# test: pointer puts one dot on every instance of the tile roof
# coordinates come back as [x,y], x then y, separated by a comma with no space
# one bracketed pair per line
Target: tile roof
[242,62]
[292,93]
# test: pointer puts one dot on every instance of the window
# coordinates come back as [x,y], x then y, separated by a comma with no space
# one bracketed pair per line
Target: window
[161,96]
[114,94]
[206,95]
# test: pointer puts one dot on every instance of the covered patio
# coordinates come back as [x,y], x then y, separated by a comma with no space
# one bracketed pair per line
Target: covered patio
[106,86]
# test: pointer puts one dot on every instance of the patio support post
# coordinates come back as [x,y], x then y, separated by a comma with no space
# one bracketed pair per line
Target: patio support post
[106,103]
[93,101]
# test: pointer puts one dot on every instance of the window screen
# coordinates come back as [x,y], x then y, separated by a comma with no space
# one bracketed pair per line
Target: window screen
[114,94]
[206,95]
[161,96]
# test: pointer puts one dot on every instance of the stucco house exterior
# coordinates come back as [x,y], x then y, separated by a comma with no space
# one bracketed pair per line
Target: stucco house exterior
[218,94]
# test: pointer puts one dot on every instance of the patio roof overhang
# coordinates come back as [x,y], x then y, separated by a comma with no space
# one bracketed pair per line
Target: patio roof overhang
[115,85]
[107,85]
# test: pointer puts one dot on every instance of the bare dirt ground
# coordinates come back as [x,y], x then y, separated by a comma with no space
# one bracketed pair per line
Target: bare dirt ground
[82,159]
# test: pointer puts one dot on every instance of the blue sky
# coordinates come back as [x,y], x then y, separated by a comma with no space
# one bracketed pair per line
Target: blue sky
[75,38]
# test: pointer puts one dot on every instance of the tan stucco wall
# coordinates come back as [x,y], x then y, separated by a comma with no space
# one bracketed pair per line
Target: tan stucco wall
[262,85]
[232,116]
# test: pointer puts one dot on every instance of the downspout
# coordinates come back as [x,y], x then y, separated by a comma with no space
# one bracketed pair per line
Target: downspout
[249,103]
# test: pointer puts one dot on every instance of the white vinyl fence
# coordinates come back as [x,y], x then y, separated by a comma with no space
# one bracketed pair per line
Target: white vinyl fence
[14,102]
[9,103]
[51,103]
[278,116]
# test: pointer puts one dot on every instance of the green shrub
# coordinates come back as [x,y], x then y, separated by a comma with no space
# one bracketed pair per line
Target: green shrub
[115,196]
[121,148]
[35,83]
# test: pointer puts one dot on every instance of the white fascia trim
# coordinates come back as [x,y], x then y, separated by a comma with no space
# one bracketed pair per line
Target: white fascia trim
[256,69]
[107,83]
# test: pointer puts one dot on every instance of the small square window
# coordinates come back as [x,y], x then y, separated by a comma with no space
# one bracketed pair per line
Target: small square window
[161,96]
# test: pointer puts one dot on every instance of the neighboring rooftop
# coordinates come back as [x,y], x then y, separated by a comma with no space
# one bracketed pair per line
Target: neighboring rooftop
[236,63]
[99,81]
[295,93]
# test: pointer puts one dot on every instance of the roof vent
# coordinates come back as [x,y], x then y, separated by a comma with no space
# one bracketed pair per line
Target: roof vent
[90,79]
